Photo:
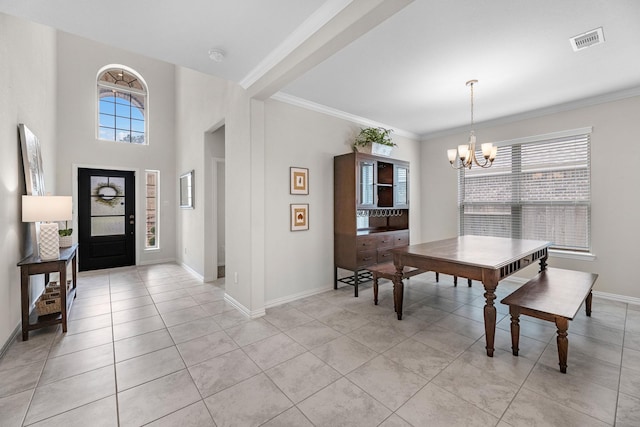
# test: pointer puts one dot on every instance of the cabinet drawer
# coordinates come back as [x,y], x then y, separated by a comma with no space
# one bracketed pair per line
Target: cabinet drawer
[365,258]
[364,243]
[401,239]
[384,255]
[385,241]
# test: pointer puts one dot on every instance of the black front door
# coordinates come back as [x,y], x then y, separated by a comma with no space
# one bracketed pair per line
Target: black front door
[106,218]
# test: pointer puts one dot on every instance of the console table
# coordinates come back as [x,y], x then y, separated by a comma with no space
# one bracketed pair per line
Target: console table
[32,265]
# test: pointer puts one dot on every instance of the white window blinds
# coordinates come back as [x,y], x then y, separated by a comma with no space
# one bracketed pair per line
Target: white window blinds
[538,188]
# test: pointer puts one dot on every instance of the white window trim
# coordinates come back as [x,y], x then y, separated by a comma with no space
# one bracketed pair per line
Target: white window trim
[157,247]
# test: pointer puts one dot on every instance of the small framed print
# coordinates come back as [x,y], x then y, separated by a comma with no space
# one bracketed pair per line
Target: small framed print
[299,180]
[300,217]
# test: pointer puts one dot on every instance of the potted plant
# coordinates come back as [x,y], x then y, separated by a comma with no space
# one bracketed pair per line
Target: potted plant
[65,236]
[378,139]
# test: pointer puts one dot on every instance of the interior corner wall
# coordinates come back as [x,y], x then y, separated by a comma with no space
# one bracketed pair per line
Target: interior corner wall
[300,263]
[28,95]
[615,200]
[79,61]
[200,105]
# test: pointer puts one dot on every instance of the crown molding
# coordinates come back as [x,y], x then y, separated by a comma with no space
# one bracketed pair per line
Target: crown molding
[319,108]
[311,25]
[567,106]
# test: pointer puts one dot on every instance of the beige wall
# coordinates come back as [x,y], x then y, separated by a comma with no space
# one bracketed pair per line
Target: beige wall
[299,263]
[615,199]
[27,95]
[200,107]
[262,140]
[79,61]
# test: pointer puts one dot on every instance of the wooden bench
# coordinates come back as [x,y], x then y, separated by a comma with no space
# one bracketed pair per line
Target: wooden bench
[554,295]
[387,270]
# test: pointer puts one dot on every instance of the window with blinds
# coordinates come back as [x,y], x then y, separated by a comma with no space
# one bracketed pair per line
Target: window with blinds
[538,188]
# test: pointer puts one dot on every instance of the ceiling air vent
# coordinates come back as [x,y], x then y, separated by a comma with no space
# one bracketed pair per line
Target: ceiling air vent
[588,39]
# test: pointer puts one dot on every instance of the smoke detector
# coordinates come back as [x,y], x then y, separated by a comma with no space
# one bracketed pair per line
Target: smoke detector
[588,39]
[216,55]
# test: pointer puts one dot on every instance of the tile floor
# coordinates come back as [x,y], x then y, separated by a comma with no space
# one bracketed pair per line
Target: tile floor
[152,346]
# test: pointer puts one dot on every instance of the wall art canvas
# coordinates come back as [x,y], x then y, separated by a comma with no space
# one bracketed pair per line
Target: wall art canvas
[32,162]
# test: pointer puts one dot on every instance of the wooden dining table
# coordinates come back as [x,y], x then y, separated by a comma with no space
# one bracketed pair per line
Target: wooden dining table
[482,258]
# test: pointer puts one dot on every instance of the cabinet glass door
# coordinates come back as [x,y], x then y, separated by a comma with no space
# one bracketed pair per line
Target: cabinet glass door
[366,181]
[401,181]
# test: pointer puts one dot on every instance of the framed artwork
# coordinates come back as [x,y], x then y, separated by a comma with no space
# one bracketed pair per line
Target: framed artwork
[186,190]
[299,217]
[299,180]
[32,162]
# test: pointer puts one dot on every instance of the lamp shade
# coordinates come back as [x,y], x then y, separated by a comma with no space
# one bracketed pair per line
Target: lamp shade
[46,208]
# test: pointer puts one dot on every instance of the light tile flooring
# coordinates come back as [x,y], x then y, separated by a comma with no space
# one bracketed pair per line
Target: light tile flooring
[151,345]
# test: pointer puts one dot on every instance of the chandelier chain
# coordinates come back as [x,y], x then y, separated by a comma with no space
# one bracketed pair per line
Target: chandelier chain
[465,154]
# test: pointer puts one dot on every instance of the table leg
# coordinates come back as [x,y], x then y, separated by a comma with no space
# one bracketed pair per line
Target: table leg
[355,283]
[63,295]
[74,277]
[24,295]
[543,262]
[398,290]
[563,343]
[490,315]
[375,288]
[587,304]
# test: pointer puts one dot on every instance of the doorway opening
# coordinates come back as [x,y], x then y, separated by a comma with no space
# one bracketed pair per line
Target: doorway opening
[215,203]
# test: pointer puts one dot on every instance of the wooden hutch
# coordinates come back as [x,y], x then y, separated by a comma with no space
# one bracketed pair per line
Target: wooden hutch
[370,213]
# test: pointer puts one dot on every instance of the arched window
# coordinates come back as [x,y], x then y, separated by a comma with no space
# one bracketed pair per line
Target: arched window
[122,105]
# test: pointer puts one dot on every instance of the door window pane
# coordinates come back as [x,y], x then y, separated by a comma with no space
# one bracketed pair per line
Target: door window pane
[107,225]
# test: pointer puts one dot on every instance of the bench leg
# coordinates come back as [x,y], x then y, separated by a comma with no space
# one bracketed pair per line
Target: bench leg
[587,304]
[563,343]
[515,329]
[375,288]
[437,277]
[335,277]
[469,282]
[455,280]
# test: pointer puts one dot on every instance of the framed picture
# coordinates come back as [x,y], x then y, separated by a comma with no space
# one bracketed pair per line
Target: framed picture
[186,190]
[299,217]
[32,162]
[299,180]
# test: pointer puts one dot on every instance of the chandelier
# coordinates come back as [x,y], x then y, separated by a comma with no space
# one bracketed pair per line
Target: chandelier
[467,152]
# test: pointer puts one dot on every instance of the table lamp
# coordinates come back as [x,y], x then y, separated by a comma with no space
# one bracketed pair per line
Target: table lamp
[47,210]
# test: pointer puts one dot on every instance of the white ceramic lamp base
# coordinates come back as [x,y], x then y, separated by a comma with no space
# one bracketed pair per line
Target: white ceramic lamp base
[49,241]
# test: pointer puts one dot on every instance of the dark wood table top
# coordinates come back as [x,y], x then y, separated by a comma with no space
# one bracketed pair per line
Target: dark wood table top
[65,255]
[479,251]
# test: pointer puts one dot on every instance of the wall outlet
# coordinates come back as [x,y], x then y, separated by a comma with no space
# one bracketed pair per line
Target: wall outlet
[235,277]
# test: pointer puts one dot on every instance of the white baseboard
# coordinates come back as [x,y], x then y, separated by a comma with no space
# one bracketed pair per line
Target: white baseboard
[192,272]
[616,297]
[157,261]
[244,310]
[290,298]
[12,337]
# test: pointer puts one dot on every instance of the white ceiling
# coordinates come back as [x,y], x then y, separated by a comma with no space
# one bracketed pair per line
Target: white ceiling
[408,72]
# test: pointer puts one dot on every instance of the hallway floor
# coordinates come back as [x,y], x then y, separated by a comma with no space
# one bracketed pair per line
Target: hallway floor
[153,346]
